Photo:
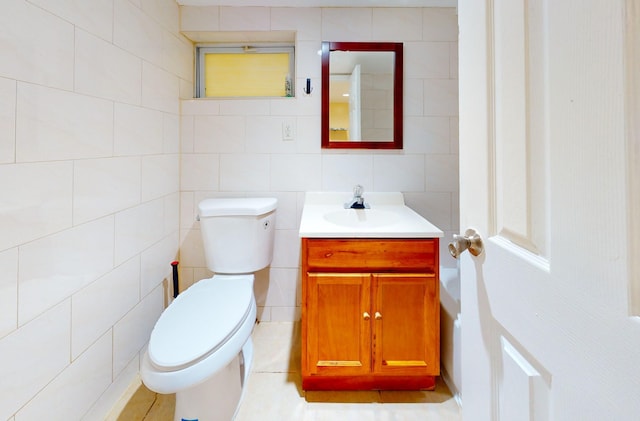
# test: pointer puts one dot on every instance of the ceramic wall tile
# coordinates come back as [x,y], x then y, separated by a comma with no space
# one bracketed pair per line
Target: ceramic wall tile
[265,134]
[8,291]
[177,58]
[99,305]
[104,186]
[73,391]
[199,172]
[244,172]
[156,263]
[309,65]
[7,120]
[171,203]
[191,248]
[54,267]
[37,46]
[286,252]
[36,202]
[342,172]
[138,228]
[136,32]
[347,24]
[24,369]
[209,107]
[282,287]
[442,173]
[132,332]
[245,107]
[244,18]
[440,97]
[137,130]
[400,24]
[403,173]
[439,24]
[286,215]
[103,408]
[196,18]
[164,12]
[160,175]
[160,89]
[187,123]
[453,60]
[428,135]
[434,206]
[308,135]
[170,133]
[306,21]
[106,71]
[427,60]
[219,134]
[295,172]
[52,124]
[95,17]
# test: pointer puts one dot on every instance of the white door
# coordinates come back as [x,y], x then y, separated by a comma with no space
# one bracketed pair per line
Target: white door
[548,326]
[355,119]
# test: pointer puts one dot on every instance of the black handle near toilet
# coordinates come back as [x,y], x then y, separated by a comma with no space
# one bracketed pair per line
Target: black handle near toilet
[174,264]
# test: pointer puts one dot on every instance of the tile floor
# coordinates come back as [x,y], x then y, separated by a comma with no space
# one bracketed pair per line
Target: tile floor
[274,392]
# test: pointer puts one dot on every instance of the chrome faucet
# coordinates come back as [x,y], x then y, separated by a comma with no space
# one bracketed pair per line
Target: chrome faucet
[357,202]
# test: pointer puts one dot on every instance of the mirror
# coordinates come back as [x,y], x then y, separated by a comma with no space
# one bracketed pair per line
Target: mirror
[362,95]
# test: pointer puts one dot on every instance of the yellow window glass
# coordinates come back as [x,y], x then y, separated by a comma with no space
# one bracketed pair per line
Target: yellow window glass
[248,74]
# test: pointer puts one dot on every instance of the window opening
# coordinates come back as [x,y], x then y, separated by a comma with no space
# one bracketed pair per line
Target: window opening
[245,71]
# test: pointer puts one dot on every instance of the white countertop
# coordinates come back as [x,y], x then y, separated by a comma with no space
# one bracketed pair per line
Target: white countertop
[388,217]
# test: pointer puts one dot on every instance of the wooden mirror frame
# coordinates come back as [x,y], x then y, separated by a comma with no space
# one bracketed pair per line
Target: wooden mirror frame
[395,47]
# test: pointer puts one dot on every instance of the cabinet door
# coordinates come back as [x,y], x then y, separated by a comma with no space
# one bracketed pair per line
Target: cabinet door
[338,324]
[406,315]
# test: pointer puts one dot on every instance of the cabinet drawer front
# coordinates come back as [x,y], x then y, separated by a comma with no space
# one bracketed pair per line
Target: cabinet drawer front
[349,255]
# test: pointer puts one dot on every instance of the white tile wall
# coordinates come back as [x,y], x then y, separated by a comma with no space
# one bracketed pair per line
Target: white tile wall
[235,147]
[8,291]
[7,120]
[39,47]
[52,124]
[34,355]
[38,205]
[89,180]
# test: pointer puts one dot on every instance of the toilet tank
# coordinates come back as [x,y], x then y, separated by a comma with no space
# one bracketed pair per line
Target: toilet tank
[238,233]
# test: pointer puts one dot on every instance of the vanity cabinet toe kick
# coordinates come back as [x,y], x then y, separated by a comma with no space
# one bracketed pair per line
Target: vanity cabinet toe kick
[370,314]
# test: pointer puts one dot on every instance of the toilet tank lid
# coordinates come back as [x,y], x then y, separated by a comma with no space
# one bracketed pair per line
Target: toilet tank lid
[237,206]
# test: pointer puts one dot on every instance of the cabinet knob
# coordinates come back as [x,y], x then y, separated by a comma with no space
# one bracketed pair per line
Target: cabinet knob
[366,315]
[378,316]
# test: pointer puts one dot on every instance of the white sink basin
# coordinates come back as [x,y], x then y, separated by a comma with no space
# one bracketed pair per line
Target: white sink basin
[362,218]
[324,216]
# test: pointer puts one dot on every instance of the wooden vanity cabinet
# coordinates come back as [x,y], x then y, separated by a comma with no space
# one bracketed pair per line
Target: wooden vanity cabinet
[370,314]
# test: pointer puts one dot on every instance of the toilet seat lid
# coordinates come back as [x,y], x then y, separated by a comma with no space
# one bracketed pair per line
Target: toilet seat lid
[200,319]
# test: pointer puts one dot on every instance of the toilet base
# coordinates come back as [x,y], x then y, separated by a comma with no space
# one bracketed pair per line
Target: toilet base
[214,400]
[218,398]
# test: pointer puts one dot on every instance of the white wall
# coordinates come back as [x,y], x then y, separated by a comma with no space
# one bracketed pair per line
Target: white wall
[235,147]
[89,196]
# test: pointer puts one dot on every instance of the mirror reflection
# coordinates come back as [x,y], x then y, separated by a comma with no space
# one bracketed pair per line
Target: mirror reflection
[362,95]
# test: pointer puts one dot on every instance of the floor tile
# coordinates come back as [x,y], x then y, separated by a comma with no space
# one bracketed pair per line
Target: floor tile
[274,392]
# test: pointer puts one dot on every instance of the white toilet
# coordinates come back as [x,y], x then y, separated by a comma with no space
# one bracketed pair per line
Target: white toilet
[201,348]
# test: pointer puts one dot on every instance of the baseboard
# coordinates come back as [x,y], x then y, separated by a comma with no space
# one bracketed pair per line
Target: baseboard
[451,385]
[117,408]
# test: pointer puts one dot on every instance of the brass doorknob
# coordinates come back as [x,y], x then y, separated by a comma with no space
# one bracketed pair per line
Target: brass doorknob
[378,316]
[470,240]
[366,315]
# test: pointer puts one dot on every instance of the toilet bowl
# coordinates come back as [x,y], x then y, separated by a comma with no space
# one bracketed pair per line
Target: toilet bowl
[206,330]
[200,347]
